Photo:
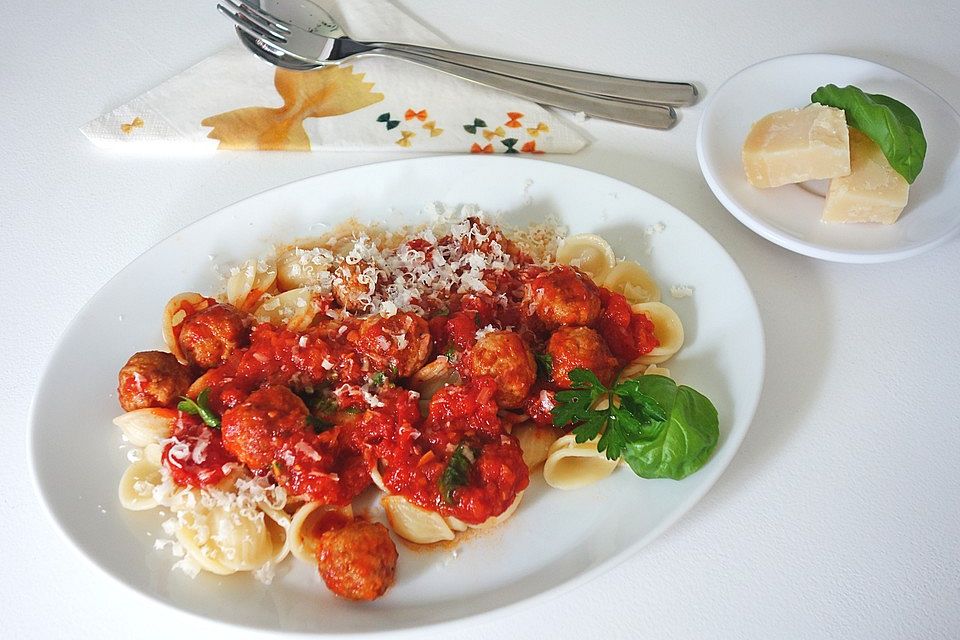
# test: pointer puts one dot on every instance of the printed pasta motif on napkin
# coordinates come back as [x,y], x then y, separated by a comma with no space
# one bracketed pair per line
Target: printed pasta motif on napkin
[322,93]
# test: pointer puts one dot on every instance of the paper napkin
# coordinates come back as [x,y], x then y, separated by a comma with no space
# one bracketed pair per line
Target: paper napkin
[235,100]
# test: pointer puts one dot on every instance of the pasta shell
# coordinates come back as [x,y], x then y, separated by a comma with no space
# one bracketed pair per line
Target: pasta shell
[431,378]
[571,465]
[250,281]
[153,453]
[193,534]
[637,369]
[535,441]
[178,308]
[137,485]
[654,370]
[228,540]
[633,281]
[143,427]
[278,523]
[588,252]
[415,523]
[456,524]
[667,327]
[378,479]
[293,310]
[298,268]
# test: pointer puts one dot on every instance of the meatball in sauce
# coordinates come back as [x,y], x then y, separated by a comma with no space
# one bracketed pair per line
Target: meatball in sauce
[358,561]
[210,336]
[255,430]
[152,379]
[504,356]
[572,348]
[400,344]
[563,296]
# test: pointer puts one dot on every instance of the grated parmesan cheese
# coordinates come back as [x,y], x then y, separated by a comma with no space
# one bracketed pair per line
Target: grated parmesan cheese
[481,333]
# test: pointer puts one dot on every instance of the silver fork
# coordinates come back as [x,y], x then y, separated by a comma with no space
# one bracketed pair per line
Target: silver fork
[610,97]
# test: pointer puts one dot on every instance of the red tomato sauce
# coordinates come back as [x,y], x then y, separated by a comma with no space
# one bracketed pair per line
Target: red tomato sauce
[629,335]
[412,453]
[198,458]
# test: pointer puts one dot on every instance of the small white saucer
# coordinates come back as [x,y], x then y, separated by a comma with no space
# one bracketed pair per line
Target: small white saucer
[790,215]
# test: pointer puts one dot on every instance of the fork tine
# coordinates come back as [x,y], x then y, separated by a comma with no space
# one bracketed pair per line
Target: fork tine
[253,7]
[248,27]
[243,10]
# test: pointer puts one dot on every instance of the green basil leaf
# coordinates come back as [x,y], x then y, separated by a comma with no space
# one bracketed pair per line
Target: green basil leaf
[200,407]
[456,473]
[188,406]
[683,442]
[544,365]
[904,113]
[891,124]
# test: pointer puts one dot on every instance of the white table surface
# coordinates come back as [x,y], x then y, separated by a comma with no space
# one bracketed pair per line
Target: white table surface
[839,517]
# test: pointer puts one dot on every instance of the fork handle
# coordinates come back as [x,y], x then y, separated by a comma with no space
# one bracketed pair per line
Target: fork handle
[677,94]
[644,115]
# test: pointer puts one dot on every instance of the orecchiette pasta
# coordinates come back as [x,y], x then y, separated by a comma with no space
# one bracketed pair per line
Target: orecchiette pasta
[635,369]
[226,541]
[178,308]
[137,485]
[297,268]
[633,281]
[143,427]
[535,441]
[431,378]
[294,309]
[414,523]
[250,281]
[667,328]
[571,465]
[588,252]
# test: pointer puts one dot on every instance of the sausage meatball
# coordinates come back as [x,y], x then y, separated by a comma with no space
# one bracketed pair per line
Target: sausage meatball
[152,379]
[504,356]
[579,348]
[353,284]
[399,344]
[208,337]
[358,561]
[564,296]
[255,430]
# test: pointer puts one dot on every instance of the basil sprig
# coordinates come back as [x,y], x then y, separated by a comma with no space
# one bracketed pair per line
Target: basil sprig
[660,429]
[891,124]
[456,473]
[200,407]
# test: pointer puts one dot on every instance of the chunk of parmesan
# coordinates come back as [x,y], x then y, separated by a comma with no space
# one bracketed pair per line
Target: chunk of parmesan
[873,192]
[795,145]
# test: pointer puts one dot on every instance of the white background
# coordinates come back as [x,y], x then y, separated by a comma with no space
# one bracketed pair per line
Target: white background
[840,516]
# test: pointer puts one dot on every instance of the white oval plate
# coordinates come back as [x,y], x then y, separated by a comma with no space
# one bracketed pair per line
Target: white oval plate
[556,540]
[790,215]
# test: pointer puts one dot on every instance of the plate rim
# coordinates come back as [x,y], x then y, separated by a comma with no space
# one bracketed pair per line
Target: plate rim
[789,241]
[718,467]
